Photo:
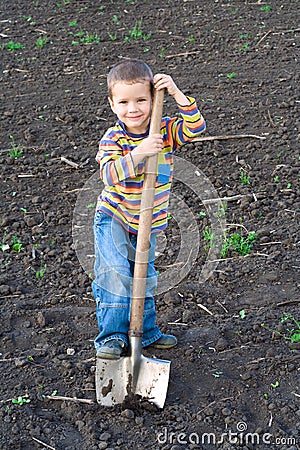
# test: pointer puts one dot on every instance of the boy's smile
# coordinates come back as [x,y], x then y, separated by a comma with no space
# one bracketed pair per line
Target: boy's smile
[132,102]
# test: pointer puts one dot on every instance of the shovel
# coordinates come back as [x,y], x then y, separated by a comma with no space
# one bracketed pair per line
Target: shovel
[136,376]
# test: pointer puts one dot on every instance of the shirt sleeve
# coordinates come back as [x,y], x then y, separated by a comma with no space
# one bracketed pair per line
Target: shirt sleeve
[189,125]
[114,165]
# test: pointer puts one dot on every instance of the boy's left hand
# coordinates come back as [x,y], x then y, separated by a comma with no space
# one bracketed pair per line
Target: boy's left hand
[163,81]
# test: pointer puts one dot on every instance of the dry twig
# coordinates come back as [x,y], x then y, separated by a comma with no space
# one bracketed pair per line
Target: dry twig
[70,399]
[205,309]
[71,163]
[42,443]
[229,136]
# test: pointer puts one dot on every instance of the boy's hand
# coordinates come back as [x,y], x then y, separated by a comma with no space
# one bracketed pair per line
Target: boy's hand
[150,146]
[163,81]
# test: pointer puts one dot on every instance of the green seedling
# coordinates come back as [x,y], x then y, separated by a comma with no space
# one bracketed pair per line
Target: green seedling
[275,385]
[137,33]
[242,314]
[24,210]
[90,39]
[276,179]
[39,274]
[245,47]
[162,52]
[41,41]
[91,205]
[115,19]
[192,39]
[12,46]
[244,177]
[169,216]
[16,244]
[16,150]
[217,374]
[293,333]
[112,37]
[266,8]
[208,236]
[54,393]
[289,186]
[20,401]
[73,23]
[30,358]
[101,10]
[279,154]
[231,75]
[266,395]
[244,36]
[63,3]
[221,210]
[238,243]
[202,214]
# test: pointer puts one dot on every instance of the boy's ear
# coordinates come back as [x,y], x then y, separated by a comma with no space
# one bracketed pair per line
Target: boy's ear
[111,103]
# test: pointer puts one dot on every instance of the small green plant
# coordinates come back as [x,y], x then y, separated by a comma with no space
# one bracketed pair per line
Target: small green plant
[101,10]
[238,243]
[244,177]
[275,385]
[245,47]
[293,333]
[217,374]
[231,75]
[41,41]
[137,33]
[73,23]
[162,52]
[112,37]
[16,244]
[20,401]
[221,210]
[12,46]
[91,205]
[90,39]
[242,314]
[115,19]
[266,8]
[16,150]
[202,214]
[208,236]
[39,274]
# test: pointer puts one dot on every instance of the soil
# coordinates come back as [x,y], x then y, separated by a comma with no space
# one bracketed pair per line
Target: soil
[236,366]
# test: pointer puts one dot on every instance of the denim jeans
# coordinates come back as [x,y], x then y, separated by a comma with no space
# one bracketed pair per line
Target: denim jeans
[114,265]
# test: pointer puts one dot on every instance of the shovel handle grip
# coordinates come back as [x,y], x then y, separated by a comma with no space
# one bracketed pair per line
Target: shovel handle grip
[145,225]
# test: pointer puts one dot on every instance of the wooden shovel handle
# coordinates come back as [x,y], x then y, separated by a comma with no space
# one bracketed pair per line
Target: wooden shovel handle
[145,224]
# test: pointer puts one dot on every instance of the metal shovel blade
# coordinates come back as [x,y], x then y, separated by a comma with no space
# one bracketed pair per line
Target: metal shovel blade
[115,380]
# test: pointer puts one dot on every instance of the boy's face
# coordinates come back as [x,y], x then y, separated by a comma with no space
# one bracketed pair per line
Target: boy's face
[132,105]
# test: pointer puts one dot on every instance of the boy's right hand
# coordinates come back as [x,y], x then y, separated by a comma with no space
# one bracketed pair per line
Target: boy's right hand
[150,146]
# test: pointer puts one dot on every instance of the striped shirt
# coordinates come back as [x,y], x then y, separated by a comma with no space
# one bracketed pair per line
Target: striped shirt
[123,183]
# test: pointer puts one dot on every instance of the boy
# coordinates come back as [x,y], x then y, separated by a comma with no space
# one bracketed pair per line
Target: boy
[121,156]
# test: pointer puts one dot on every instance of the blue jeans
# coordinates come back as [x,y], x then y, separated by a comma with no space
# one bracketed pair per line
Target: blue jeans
[114,265]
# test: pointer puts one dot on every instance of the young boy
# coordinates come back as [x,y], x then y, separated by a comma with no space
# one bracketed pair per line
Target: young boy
[121,156]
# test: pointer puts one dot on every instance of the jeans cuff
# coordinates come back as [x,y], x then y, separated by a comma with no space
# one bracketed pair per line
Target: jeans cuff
[150,340]
[120,337]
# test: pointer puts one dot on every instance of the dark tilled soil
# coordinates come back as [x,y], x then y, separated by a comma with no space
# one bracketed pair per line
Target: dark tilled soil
[236,367]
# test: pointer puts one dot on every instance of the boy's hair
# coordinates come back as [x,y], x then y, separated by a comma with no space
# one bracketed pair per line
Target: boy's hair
[130,71]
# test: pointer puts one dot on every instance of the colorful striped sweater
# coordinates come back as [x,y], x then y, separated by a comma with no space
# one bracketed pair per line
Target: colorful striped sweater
[123,183]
